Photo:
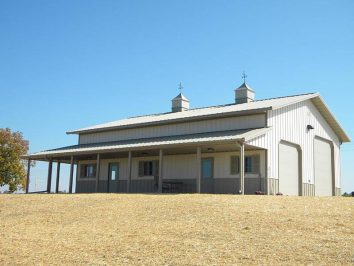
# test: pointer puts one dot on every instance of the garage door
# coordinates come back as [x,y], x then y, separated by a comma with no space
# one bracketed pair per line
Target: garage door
[289,175]
[323,168]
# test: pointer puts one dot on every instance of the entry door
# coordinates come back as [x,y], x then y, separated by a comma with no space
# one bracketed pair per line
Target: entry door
[207,182]
[323,168]
[113,177]
[289,175]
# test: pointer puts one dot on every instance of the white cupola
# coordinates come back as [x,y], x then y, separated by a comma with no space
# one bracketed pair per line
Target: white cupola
[244,94]
[180,103]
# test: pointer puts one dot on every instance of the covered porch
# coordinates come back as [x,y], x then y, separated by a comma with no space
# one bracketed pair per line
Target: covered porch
[218,162]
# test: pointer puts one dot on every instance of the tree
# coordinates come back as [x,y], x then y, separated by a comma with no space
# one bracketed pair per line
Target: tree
[12,166]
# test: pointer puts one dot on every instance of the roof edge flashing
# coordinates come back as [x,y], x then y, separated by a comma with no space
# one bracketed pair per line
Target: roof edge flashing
[339,131]
[310,96]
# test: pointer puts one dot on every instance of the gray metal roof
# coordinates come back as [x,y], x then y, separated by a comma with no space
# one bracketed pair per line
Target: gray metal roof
[180,96]
[220,111]
[201,138]
[244,86]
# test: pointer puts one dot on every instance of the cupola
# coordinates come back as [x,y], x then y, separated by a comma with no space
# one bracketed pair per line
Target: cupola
[244,94]
[180,103]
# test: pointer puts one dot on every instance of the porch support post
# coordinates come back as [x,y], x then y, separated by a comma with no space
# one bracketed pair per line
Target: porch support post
[242,168]
[199,169]
[97,171]
[28,175]
[129,177]
[57,181]
[71,174]
[160,171]
[49,179]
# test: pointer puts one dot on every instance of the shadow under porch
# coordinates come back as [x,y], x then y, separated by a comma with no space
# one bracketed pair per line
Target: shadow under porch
[179,171]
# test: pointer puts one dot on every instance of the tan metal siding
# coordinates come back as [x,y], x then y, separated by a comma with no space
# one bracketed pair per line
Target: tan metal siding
[184,166]
[338,191]
[180,166]
[308,189]
[222,164]
[103,174]
[289,124]
[230,123]
[273,186]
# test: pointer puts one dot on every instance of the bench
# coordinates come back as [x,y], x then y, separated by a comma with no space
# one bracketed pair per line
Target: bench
[172,187]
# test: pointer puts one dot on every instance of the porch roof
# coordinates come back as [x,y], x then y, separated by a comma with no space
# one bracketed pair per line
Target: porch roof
[157,142]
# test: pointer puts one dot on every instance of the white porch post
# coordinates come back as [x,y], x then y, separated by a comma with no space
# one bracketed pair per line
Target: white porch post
[160,171]
[97,171]
[28,175]
[49,179]
[129,177]
[242,168]
[199,169]
[71,174]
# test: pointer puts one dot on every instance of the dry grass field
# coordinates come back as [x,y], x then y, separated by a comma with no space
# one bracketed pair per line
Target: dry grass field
[113,229]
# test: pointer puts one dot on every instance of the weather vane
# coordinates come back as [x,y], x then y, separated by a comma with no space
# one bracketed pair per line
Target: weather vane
[244,76]
[180,87]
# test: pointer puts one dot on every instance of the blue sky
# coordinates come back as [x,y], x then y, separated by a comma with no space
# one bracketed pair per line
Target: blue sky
[71,64]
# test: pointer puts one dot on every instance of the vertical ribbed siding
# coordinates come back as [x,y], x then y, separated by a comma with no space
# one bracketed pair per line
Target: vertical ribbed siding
[308,189]
[212,125]
[289,123]
[273,186]
[338,191]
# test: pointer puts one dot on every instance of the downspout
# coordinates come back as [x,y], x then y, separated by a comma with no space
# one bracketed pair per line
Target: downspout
[242,166]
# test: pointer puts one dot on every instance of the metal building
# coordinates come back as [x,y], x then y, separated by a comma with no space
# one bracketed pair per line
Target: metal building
[288,144]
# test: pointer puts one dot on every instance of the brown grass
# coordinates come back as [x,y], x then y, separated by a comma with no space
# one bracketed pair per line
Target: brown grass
[100,229]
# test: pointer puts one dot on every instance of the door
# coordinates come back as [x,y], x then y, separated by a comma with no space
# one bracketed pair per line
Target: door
[113,177]
[323,167]
[207,181]
[289,169]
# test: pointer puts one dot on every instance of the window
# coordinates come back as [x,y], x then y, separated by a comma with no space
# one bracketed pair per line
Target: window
[113,171]
[251,164]
[207,168]
[88,170]
[248,164]
[148,168]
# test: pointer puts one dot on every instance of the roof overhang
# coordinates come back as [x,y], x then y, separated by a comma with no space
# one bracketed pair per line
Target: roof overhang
[324,110]
[329,117]
[172,121]
[152,143]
